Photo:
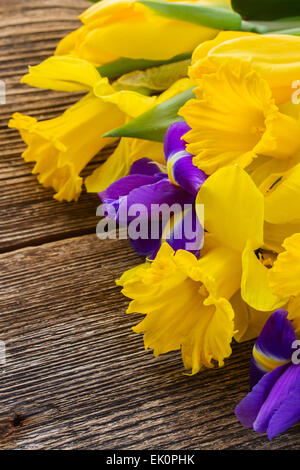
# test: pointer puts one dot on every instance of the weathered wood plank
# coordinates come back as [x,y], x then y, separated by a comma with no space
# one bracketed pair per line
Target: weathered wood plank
[29,32]
[77,377]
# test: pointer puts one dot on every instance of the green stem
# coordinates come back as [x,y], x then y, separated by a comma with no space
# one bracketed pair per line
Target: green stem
[283,26]
[251,27]
[291,31]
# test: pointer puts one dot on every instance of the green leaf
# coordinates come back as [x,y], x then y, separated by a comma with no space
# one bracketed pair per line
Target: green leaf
[154,79]
[212,17]
[152,124]
[266,9]
[125,65]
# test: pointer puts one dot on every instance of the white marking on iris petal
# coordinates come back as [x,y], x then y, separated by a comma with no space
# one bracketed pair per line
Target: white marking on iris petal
[172,162]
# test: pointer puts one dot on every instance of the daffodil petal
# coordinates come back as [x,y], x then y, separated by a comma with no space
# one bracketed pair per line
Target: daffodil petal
[67,44]
[199,63]
[294,313]
[284,277]
[129,29]
[275,234]
[248,322]
[275,57]
[130,103]
[282,202]
[255,288]
[233,208]
[63,73]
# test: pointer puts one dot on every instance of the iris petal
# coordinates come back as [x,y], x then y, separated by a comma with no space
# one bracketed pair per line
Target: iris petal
[289,412]
[248,409]
[184,173]
[278,396]
[273,346]
[186,233]
[125,185]
[150,196]
[149,246]
[144,166]
[173,141]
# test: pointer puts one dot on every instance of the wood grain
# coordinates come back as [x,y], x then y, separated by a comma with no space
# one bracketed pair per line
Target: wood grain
[29,32]
[76,376]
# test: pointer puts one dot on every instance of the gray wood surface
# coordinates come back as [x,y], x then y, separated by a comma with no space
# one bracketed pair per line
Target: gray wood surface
[76,376]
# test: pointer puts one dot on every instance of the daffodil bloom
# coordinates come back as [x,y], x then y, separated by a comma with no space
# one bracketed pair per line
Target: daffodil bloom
[62,147]
[229,265]
[274,57]
[185,303]
[273,405]
[174,187]
[234,119]
[126,28]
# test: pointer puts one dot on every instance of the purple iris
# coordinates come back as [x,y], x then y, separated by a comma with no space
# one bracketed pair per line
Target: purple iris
[149,193]
[273,405]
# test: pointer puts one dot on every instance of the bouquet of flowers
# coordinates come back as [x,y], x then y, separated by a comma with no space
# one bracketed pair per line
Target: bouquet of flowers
[202,101]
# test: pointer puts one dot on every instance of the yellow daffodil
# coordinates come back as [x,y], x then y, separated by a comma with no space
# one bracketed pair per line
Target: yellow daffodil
[186,306]
[234,119]
[275,57]
[187,301]
[284,277]
[63,146]
[125,28]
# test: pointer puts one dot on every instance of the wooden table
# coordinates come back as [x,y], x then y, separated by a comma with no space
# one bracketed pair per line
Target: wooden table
[76,376]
